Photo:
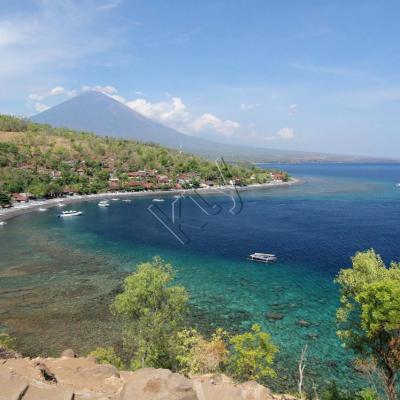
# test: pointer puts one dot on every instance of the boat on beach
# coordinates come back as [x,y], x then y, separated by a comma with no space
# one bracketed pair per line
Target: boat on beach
[263,257]
[70,213]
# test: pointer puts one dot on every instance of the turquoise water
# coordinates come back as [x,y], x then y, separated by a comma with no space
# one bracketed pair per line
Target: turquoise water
[57,277]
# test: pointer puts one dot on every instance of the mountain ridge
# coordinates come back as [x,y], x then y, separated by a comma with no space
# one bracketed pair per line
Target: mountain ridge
[99,113]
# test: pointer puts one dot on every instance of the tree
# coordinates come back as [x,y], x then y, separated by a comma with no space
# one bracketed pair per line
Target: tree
[5,199]
[196,355]
[369,315]
[153,312]
[252,354]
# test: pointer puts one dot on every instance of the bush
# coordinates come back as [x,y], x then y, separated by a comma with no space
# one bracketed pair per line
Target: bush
[6,341]
[196,355]
[107,355]
[251,355]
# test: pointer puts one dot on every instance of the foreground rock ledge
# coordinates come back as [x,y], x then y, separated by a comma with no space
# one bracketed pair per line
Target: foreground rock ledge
[78,378]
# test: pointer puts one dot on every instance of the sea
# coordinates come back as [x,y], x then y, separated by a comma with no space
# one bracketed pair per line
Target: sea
[59,276]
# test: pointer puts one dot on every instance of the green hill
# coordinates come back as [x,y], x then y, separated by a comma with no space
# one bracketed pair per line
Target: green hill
[48,162]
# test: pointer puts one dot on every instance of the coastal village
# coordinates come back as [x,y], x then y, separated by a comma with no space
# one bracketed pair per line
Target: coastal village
[41,162]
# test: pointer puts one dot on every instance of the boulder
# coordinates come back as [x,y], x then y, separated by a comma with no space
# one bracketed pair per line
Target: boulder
[12,387]
[48,393]
[69,353]
[303,323]
[157,384]
[273,316]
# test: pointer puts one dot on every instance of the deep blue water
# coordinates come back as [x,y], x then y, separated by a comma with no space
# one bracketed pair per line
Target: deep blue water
[57,277]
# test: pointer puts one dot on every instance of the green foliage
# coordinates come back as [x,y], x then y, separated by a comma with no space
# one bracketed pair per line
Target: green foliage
[251,355]
[332,392]
[45,161]
[5,199]
[196,355]
[107,355]
[7,341]
[369,313]
[153,312]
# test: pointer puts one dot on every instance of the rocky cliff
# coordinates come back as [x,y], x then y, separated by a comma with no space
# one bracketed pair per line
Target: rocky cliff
[81,378]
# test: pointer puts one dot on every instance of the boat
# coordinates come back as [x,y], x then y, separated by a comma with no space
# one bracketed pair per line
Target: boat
[158,200]
[61,205]
[263,257]
[42,209]
[104,203]
[127,200]
[3,223]
[114,199]
[70,213]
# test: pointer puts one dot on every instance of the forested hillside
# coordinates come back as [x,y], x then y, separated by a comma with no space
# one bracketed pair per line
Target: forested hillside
[45,162]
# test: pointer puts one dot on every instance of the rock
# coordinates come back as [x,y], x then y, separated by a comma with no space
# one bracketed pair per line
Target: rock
[12,387]
[303,323]
[68,354]
[272,316]
[48,393]
[254,391]
[47,375]
[157,384]
[312,336]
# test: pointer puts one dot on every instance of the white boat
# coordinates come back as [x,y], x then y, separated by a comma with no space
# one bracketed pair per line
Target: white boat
[70,213]
[263,257]
[3,223]
[158,200]
[60,205]
[127,200]
[114,199]
[104,203]
[42,209]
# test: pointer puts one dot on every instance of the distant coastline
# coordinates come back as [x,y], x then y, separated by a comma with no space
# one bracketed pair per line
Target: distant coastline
[12,212]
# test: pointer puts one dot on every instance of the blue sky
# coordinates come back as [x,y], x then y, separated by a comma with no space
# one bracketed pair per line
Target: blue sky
[295,74]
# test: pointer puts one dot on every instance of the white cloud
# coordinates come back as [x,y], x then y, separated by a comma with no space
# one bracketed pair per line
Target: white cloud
[57,91]
[170,112]
[208,120]
[293,108]
[72,93]
[286,133]
[40,107]
[246,107]
[282,134]
[109,6]
[110,90]
[34,96]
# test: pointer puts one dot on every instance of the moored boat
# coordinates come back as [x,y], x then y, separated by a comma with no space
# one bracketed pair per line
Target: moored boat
[104,203]
[158,200]
[70,213]
[3,223]
[42,209]
[263,257]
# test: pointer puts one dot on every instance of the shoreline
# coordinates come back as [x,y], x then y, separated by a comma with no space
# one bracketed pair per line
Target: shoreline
[33,205]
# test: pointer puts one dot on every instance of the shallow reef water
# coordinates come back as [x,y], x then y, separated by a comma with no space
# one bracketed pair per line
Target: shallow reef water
[58,277]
